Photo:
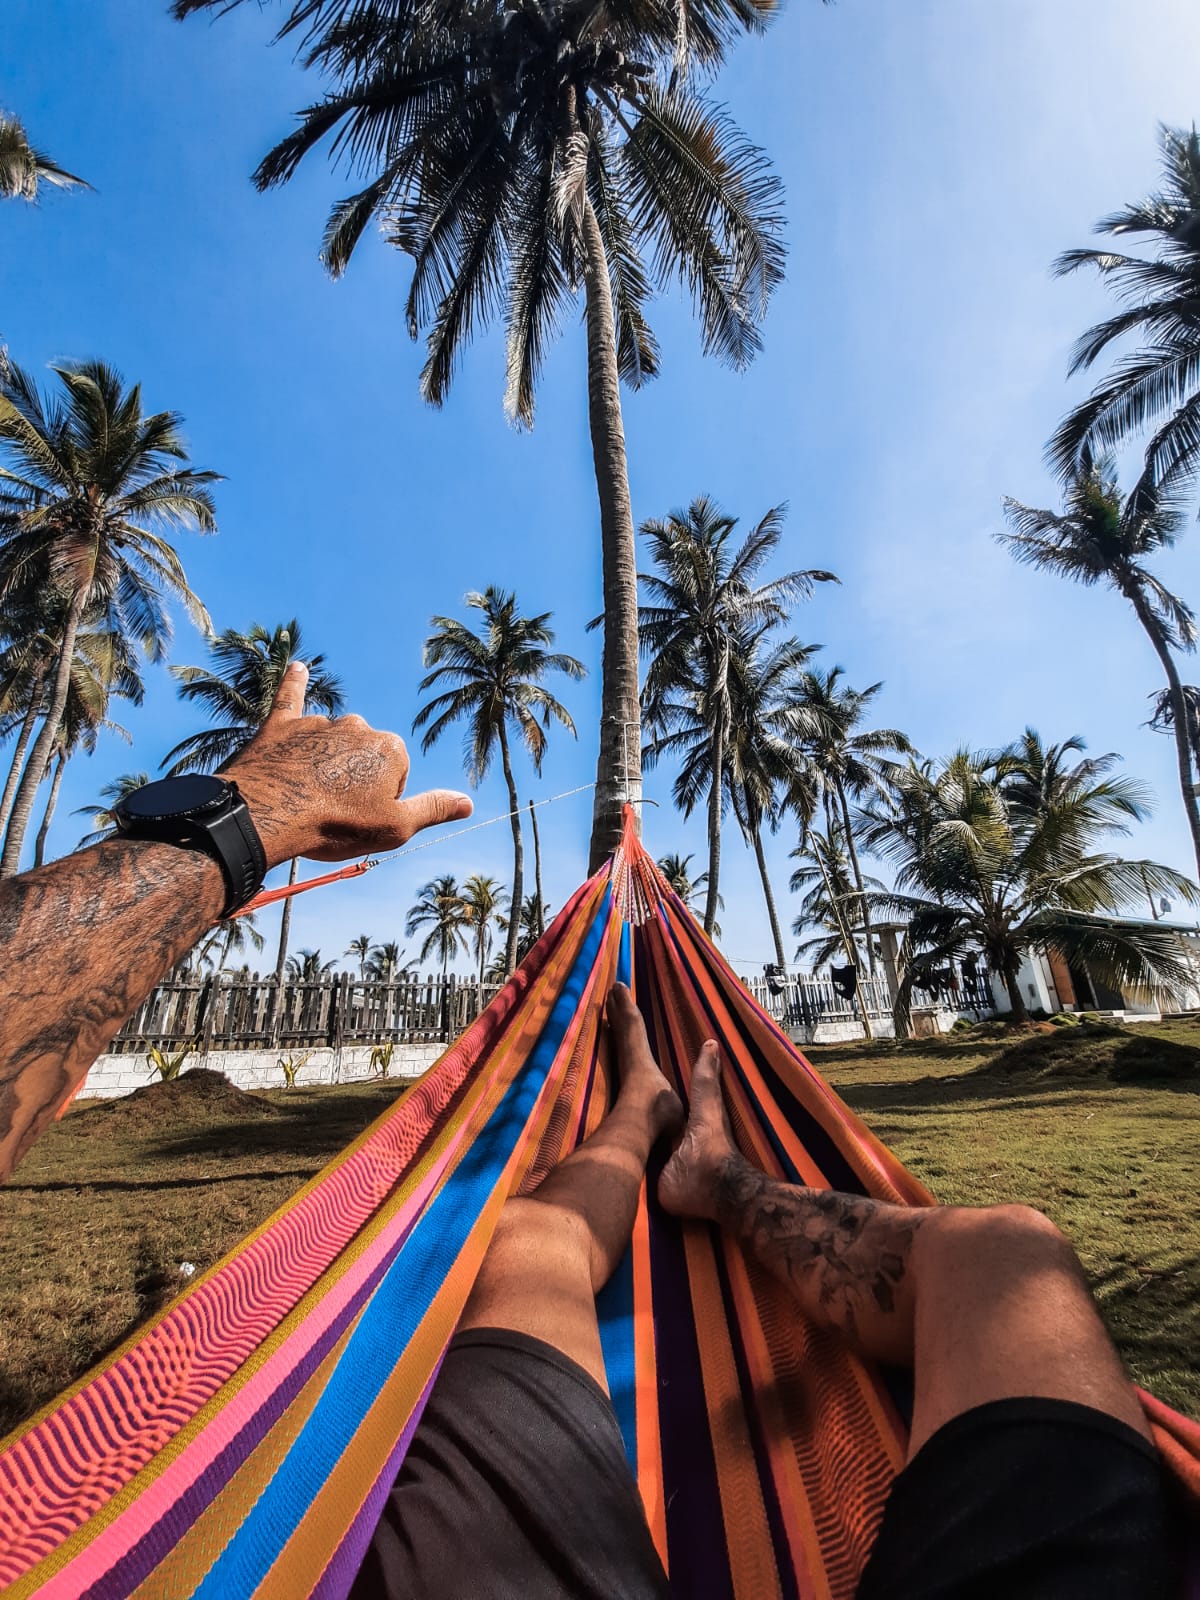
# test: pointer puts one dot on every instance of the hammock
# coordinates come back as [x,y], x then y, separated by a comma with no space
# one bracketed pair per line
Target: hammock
[243,1445]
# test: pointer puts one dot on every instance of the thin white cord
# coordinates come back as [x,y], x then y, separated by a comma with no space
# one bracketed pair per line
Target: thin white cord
[505,816]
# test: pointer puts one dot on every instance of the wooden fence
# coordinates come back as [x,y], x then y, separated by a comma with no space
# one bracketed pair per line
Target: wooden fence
[232,1012]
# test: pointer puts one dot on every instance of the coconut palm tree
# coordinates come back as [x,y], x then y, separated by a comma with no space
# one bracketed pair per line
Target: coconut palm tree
[704,607]
[834,901]
[306,966]
[830,901]
[1102,536]
[104,668]
[1157,384]
[23,169]
[104,815]
[521,155]
[238,688]
[839,760]
[361,949]
[677,870]
[496,678]
[439,908]
[232,935]
[387,962]
[85,478]
[484,900]
[761,754]
[527,925]
[981,869]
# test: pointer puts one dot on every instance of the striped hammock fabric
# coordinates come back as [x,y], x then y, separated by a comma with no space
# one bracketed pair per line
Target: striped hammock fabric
[243,1444]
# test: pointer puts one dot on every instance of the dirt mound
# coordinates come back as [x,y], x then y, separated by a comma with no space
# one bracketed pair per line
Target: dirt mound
[1100,1050]
[198,1096]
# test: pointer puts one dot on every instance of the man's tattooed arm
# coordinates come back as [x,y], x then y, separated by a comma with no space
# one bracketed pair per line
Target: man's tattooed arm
[846,1258]
[82,943]
[84,940]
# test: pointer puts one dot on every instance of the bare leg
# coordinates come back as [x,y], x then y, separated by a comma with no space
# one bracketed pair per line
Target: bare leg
[556,1247]
[984,1304]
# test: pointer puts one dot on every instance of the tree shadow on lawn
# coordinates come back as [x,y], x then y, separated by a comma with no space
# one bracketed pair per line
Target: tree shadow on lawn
[985,1084]
[315,1126]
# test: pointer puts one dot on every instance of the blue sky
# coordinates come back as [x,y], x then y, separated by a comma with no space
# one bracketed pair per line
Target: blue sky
[937,156]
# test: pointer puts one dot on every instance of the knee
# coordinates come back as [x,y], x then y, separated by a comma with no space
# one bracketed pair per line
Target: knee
[530,1225]
[963,1235]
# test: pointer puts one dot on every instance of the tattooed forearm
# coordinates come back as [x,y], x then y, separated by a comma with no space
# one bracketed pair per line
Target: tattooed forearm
[845,1257]
[82,943]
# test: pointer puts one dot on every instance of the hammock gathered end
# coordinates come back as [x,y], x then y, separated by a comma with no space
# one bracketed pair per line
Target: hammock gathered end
[244,1443]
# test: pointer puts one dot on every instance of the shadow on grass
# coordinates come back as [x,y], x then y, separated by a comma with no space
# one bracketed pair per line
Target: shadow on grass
[317,1128]
[155,1185]
[1014,1091]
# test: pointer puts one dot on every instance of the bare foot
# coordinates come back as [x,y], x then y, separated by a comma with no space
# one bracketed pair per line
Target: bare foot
[690,1182]
[640,1075]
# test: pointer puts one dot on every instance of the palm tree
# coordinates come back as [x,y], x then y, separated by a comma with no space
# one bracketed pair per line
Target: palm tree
[835,901]
[496,676]
[231,935]
[1158,383]
[1104,537]
[839,760]
[387,962]
[986,865]
[361,948]
[705,608]
[830,898]
[439,908]
[761,756]
[484,901]
[104,816]
[239,688]
[527,925]
[23,169]
[520,154]
[84,479]
[306,966]
[103,668]
[677,870]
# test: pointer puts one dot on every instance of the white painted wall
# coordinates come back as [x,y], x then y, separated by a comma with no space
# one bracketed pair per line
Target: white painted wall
[259,1069]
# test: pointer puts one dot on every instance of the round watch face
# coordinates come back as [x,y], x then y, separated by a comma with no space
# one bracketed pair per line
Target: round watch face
[175,797]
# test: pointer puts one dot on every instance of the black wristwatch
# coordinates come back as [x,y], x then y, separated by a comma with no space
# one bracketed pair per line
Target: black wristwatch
[200,813]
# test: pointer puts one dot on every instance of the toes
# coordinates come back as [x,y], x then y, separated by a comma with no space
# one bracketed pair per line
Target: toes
[706,1072]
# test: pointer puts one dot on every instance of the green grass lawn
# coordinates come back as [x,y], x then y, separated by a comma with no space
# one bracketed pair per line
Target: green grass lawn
[1099,1128]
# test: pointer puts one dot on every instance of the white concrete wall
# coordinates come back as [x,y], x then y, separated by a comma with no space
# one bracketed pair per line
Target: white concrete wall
[259,1069]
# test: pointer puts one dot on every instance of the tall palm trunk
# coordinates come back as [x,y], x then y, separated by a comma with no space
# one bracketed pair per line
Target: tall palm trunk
[712,889]
[518,888]
[619,766]
[537,871]
[1179,715]
[22,744]
[285,929]
[852,852]
[39,848]
[769,894]
[847,942]
[1015,997]
[39,756]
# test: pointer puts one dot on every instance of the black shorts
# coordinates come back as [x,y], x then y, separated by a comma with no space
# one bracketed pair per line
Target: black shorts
[516,1487]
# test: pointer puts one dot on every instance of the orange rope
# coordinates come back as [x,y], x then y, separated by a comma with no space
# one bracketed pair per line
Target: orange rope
[268,897]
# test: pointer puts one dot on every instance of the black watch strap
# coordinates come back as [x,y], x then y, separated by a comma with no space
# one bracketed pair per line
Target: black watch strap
[233,839]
